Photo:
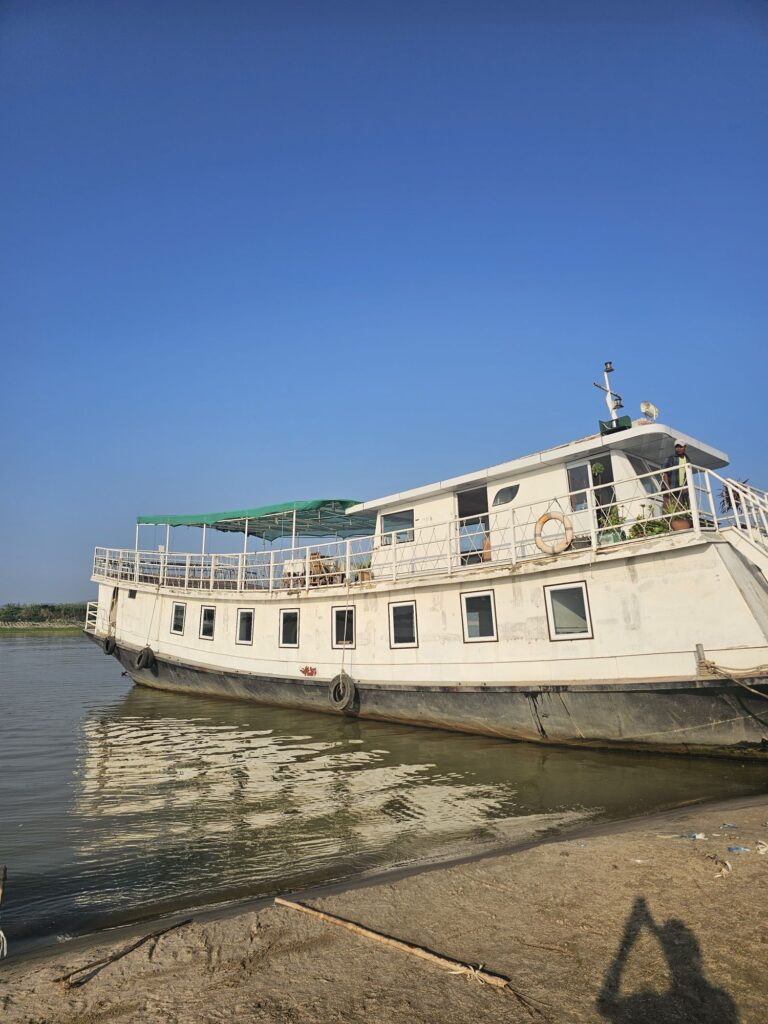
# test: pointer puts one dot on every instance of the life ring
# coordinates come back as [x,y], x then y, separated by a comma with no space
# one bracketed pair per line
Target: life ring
[110,645]
[561,545]
[145,658]
[342,692]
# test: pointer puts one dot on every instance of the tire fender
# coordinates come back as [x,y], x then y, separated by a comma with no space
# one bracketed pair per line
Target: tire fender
[342,692]
[110,645]
[145,658]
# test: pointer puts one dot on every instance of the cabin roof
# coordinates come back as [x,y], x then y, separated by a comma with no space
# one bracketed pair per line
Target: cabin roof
[320,517]
[652,441]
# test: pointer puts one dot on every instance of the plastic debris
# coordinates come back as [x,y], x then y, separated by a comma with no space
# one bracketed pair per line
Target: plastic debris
[739,849]
[727,824]
[695,835]
[724,865]
[762,847]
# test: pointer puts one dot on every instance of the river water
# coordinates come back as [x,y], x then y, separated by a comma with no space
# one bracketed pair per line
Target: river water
[118,803]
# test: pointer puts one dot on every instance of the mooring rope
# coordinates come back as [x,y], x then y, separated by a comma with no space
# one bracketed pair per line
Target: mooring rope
[738,675]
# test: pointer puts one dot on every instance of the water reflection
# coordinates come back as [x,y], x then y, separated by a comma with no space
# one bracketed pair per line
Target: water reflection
[121,808]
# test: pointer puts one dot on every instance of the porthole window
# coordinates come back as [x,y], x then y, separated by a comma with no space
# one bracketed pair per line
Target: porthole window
[244,626]
[207,622]
[178,614]
[568,613]
[402,624]
[505,495]
[478,617]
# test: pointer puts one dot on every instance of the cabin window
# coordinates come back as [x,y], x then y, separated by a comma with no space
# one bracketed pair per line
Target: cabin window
[402,624]
[568,612]
[245,625]
[506,494]
[578,482]
[207,622]
[398,525]
[651,484]
[289,627]
[132,594]
[178,614]
[479,616]
[343,627]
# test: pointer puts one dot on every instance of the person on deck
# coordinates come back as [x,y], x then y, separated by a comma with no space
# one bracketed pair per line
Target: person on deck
[676,475]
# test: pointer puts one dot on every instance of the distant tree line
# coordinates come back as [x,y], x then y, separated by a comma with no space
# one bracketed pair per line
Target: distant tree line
[74,613]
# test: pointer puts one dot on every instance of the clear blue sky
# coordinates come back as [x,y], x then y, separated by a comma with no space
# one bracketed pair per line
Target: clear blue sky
[253,252]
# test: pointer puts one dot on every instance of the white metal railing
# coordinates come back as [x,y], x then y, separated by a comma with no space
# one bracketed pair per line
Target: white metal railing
[598,517]
[91,612]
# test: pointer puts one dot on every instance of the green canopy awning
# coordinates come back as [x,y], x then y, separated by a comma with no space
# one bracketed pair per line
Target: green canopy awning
[323,517]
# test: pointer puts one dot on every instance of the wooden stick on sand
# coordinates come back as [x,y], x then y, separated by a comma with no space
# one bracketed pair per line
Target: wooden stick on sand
[444,962]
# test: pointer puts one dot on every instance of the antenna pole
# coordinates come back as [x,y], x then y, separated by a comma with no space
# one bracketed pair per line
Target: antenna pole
[608,393]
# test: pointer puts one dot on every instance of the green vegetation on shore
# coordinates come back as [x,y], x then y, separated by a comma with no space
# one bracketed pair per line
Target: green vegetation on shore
[37,619]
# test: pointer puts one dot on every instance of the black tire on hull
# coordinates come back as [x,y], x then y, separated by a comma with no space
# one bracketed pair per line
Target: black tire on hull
[110,645]
[342,693]
[145,658]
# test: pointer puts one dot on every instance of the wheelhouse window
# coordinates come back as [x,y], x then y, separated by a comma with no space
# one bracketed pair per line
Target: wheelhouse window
[245,625]
[479,617]
[178,615]
[651,484]
[289,627]
[207,622]
[343,627]
[402,625]
[398,525]
[568,614]
[506,494]
[578,482]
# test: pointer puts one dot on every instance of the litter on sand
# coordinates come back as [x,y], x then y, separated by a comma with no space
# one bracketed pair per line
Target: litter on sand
[725,867]
[727,824]
[762,847]
[739,849]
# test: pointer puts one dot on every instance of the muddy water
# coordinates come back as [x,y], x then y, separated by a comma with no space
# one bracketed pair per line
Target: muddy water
[117,803]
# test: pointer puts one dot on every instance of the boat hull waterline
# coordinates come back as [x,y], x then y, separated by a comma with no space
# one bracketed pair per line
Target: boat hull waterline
[717,717]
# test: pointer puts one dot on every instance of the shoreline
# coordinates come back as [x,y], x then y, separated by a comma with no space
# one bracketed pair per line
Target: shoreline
[410,902]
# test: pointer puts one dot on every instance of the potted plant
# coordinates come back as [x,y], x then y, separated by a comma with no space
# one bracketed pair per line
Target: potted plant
[648,525]
[679,516]
[611,522]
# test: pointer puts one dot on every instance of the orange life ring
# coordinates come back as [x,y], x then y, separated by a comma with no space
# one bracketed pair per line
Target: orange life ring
[561,545]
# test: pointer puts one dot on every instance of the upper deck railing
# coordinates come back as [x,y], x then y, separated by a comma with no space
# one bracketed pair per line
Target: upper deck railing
[597,517]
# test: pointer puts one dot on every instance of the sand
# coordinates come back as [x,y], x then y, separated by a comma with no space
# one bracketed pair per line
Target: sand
[624,923]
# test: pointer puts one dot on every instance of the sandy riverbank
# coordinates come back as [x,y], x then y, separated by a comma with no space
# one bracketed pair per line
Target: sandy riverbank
[623,922]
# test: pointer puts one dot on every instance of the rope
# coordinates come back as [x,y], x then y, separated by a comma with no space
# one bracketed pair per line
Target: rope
[737,675]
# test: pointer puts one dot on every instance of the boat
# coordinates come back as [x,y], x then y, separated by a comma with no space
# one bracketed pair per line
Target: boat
[583,595]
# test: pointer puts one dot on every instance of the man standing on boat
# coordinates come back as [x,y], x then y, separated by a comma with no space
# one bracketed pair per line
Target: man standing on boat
[676,475]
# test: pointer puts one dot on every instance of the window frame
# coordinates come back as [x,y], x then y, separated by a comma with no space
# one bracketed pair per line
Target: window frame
[244,643]
[385,536]
[297,613]
[506,501]
[391,608]
[465,631]
[553,634]
[343,646]
[203,609]
[174,606]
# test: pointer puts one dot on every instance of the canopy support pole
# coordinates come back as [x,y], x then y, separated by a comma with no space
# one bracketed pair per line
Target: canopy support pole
[168,538]
[245,539]
[203,551]
[293,531]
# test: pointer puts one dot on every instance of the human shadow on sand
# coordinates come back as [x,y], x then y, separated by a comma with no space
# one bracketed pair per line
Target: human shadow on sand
[689,997]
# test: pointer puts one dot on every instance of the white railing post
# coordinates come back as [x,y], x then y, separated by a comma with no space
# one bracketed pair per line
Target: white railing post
[693,502]
[710,496]
[186,573]
[213,572]
[394,555]
[240,570]
[348,562]
[451,532]
[513,532]
[272,569]
[592,517]
[307,564]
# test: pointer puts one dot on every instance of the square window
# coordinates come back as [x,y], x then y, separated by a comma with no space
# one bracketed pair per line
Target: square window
[343,627]
[289,627]
[207,622]
[132,594]
[402,625]
[244,626]
[178,615]
[568,612]
[479,617]
[398,525]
